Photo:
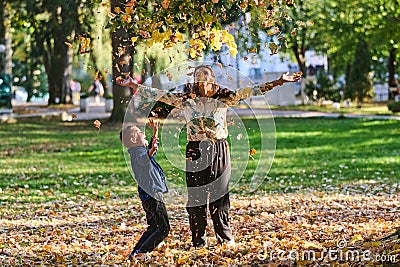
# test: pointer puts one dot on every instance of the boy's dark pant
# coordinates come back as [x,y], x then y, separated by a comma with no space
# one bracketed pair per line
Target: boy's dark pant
[158,229]
[208,172]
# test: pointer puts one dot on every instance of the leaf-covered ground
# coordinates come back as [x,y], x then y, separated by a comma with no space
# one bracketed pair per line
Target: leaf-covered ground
[332,194]
[313,229]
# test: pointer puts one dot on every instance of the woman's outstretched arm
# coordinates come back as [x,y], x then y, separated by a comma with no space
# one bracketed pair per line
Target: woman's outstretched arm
[233,98]
[149,92]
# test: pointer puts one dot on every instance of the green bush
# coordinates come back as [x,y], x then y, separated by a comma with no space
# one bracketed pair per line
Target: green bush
[394,106]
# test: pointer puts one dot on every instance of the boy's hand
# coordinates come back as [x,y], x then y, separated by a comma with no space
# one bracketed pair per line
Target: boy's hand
[154,124]
[154,146]
[154,143]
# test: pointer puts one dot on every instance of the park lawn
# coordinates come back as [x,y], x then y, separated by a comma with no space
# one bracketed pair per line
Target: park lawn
[46,159]
[67,196]
[365,109]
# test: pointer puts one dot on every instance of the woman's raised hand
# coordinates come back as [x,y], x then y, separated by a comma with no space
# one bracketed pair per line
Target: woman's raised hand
[291,78]
[130,82]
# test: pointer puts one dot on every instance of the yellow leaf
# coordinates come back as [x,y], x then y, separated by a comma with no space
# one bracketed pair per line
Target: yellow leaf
[308,245]
[376,244]
[179,36]
[133,39]
[129,10]
[126,18]
[182,260]
[107,194]
[356,238]
[97,124]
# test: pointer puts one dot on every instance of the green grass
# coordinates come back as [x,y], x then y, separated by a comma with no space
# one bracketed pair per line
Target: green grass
[366,109]
[47,160]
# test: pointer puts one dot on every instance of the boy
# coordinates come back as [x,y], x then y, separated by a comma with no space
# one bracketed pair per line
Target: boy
[151,186]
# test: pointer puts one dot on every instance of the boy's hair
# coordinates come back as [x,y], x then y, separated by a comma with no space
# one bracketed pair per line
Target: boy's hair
[128,134]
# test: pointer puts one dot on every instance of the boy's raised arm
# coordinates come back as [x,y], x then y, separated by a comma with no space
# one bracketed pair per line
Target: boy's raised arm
[154,139]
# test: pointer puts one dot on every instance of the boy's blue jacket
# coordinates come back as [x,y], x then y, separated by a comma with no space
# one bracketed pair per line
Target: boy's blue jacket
[148,173]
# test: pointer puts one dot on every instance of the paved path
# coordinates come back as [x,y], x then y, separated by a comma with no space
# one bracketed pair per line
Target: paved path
[98,112]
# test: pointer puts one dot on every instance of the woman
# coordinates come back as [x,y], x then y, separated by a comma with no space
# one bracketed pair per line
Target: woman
[208,166]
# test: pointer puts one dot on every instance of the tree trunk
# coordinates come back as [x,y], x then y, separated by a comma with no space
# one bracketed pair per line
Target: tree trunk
[155,79]
[348,91]
[122,50]
[299,53]
[58,60]
[5,39]
[121,95]
[392,81]
[55,71]
[66,94]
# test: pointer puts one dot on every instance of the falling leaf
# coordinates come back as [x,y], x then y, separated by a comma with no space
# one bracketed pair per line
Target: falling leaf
[73,115]
[130,3]
[133,39]
[252,152]
[97,124]
[69,45]
[274,48]
[298,74]
[245,58]
[169,75]
[84,44]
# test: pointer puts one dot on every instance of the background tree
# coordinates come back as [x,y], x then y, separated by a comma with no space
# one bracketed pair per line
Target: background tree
[165,22]
[55,25]
[122,64]
[359,81]
[5,38]
[384,40]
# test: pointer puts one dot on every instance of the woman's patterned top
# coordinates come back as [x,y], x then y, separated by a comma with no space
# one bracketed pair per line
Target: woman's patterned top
[205,116]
